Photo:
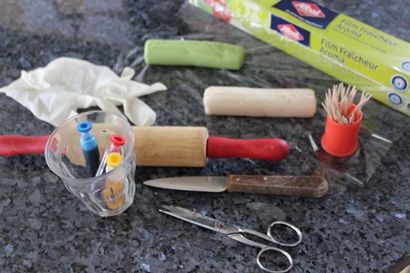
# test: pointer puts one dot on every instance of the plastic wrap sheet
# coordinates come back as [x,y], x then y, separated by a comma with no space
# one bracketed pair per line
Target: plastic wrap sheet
[265,67]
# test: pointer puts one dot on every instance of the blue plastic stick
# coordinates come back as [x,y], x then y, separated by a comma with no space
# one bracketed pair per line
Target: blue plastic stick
[89,146]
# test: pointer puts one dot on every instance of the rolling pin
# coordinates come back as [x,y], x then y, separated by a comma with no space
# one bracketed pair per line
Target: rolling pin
[167,146]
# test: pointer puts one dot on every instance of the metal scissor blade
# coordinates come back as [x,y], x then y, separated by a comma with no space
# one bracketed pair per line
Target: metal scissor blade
[198,219]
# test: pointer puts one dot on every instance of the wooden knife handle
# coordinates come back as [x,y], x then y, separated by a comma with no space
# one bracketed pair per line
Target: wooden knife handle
[305,186]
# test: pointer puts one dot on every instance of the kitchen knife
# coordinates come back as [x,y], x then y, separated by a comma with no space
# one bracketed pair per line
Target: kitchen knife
[306,186]
[161,146]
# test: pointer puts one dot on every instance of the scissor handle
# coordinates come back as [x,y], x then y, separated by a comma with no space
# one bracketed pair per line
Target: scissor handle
[269,237]
[278,250]
[264,248]
[278,223]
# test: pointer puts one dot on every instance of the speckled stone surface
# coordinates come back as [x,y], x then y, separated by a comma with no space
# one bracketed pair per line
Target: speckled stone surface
[359,227]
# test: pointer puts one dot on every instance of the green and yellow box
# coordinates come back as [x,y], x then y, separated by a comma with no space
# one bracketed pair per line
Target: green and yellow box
[334,43]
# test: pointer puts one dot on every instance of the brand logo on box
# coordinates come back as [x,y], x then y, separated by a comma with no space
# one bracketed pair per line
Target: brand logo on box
[308,9]
[220,9]
[290,31]
[308,12]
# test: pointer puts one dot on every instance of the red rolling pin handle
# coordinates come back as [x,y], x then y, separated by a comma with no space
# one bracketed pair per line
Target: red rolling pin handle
[262,149]
[22,145]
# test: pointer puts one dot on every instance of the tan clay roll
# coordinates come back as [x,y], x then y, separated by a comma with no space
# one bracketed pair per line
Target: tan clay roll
[171,146]
[259,102]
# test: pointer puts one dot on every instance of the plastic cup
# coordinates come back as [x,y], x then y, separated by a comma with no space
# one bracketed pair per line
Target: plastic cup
[110,193]
[342,140]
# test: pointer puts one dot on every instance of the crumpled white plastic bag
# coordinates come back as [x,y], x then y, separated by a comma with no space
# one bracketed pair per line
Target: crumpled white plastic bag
[54,93]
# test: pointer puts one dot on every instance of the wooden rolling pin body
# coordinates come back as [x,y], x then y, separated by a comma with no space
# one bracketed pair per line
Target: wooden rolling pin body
[171,146]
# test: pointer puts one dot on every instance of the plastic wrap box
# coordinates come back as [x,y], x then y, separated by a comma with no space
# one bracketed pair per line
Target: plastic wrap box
[334,43]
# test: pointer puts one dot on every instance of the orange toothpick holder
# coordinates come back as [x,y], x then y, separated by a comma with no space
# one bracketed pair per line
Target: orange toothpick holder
[342,140]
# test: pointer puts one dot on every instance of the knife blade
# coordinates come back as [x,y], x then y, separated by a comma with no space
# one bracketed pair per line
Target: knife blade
[402,266]
[304,186]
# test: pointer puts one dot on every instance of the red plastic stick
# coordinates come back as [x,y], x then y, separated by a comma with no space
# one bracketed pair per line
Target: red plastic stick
[262,149]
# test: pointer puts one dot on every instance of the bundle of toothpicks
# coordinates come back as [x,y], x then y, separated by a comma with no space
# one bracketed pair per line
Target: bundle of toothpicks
[338,101]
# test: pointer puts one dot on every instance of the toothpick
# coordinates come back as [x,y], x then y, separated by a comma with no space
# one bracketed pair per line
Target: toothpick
[338,100]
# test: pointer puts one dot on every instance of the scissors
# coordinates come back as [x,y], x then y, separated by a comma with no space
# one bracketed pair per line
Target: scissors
[236,233]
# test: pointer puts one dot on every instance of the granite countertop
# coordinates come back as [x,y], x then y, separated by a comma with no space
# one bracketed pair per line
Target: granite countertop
[359,227]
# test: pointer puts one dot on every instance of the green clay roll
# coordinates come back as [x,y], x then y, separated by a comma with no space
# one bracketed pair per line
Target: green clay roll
[193,53]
